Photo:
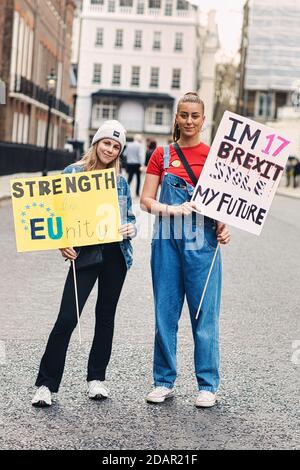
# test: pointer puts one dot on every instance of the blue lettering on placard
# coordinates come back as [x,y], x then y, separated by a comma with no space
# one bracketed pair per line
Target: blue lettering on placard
[59,230]
[34,228]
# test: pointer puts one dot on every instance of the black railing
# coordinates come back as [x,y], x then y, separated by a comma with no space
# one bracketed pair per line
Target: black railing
[24,158]
[28,88]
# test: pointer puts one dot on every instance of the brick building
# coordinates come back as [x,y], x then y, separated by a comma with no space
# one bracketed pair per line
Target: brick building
[35,39]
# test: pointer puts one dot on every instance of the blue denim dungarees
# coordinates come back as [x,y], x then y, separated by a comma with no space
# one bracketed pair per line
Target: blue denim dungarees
[180,263]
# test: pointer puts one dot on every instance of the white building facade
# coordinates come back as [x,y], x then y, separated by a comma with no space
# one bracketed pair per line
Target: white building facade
[136,58]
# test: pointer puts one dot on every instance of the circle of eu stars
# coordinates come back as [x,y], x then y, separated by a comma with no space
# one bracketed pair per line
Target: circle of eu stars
[28,208]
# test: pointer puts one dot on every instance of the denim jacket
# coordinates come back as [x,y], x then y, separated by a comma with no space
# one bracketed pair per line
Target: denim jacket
[125,203]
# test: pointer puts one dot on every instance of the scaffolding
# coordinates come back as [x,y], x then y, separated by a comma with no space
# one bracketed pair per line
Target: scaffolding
[273,49]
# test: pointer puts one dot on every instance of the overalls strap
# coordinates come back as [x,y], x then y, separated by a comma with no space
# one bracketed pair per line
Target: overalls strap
[166,156]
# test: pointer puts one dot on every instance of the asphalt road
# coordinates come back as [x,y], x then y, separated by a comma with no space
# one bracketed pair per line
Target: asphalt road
[259,397]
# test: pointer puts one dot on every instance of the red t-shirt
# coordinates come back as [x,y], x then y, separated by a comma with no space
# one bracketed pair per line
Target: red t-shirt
[196,157]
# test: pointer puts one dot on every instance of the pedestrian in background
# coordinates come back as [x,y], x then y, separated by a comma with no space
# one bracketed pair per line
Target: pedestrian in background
[107,263]
[178,268]
[150,150]
[134,154]
[296,173]
[290,171]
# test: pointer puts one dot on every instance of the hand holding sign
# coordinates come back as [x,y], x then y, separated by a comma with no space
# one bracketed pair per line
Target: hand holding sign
[223,234]
[127,230]
[68,253]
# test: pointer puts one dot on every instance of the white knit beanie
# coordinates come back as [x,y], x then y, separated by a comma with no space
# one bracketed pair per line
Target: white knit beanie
[111,129]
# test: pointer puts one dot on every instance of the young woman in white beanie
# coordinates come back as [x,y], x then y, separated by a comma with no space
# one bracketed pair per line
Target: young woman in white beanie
[107,263]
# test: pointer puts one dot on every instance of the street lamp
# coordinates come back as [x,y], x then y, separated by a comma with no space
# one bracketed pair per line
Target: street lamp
[73,119]
[51,86]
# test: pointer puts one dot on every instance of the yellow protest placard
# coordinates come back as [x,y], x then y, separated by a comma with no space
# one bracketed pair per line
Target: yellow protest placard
[59,211]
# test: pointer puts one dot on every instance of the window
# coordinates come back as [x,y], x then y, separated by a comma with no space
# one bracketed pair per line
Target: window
[25,129]
[116,79]
[20,128]
[97,2]
[157,40]
[154,4]
[178,41]
[119,38]
[168,9]
[15,127]
[176,78]
[126,3]
[154,81]
[158,115]
[261,105]
[138,40]
[40,133]
[135,76]
[105,113]
[265,105]
[159,118]
[140,8]
[99,37]
[111,8]
[182,5]
[97,73]
[103,110]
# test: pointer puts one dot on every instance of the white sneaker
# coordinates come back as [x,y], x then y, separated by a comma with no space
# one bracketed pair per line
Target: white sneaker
[97,390]
[159,394]
[205,399]
[42,397]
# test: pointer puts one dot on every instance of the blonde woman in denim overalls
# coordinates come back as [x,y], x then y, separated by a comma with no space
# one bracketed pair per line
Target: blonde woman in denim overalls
[183,249]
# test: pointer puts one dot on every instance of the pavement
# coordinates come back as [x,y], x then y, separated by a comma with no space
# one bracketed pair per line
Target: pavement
[258,405]
[5,186]
[288,192]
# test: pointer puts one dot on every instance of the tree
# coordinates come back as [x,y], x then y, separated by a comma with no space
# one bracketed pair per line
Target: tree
[225,92]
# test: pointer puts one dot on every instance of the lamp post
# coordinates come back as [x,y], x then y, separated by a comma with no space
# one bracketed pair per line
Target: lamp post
[51,85]
[73,119]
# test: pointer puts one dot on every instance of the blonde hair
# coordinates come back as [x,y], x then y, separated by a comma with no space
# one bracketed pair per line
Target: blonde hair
[90,160]
[190,97]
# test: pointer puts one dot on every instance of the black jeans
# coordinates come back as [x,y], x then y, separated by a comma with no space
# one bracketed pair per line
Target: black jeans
[111,274]
[134,169]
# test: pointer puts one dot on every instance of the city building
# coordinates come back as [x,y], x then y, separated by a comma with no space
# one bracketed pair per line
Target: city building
[270,57]
[288,122]
[35,43]
[136,58]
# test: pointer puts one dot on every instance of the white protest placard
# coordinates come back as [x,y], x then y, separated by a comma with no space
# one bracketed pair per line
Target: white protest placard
[241,173]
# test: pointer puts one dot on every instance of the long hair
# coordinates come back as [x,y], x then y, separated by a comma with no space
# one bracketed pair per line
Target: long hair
[90,160]
[190,97]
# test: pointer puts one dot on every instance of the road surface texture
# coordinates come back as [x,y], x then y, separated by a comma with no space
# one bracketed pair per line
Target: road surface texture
[260,338]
